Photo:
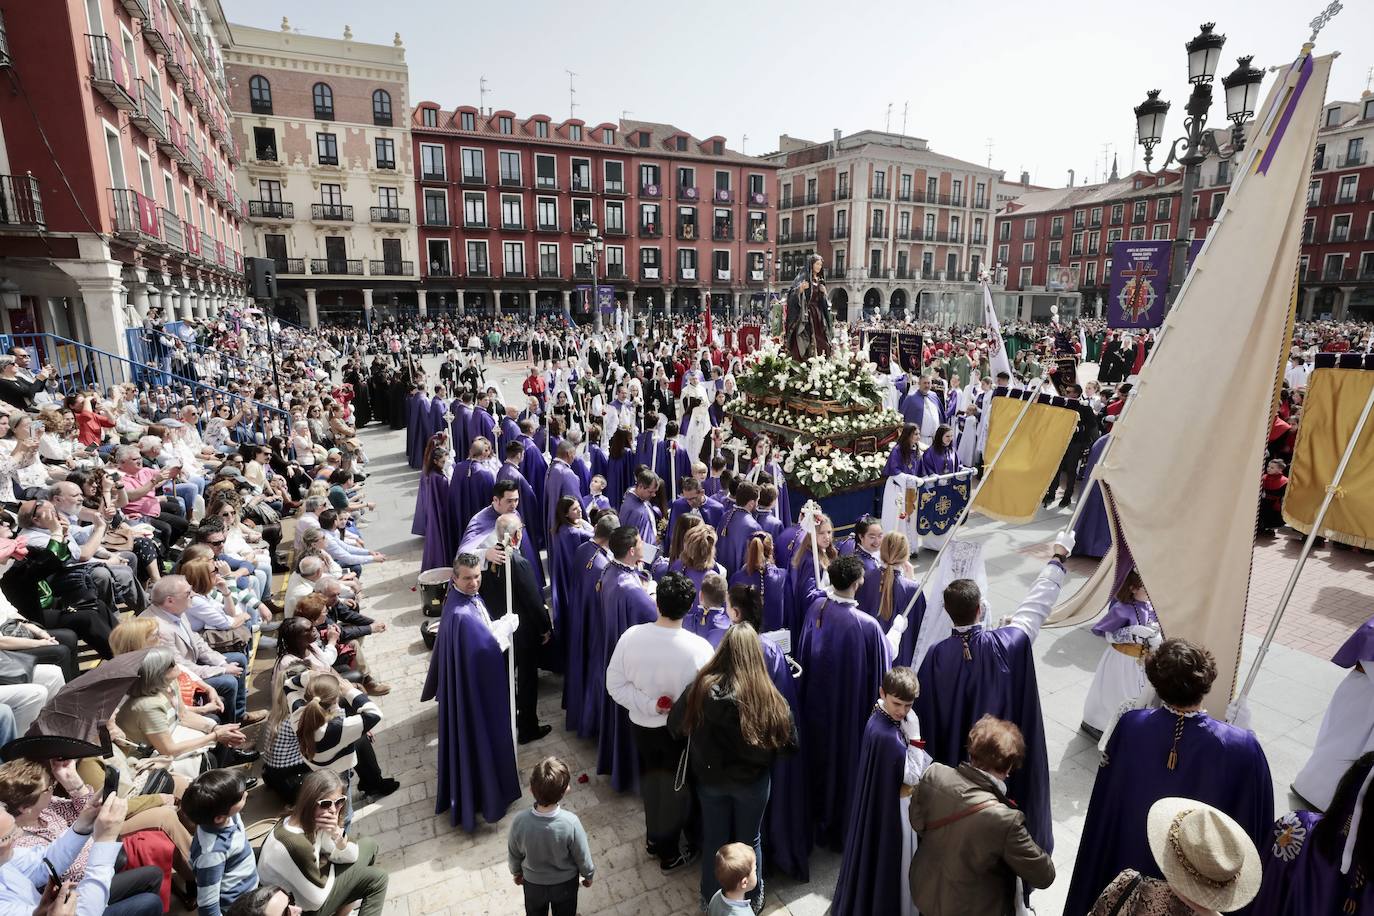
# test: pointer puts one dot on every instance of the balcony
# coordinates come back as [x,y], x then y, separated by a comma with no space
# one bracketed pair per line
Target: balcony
[582,271]
[173,236]
[903,197]
[904,273]
[687,232]
[175,64]
[615,271]
[981,203]
[331,212]
[615,230]
[134,216]
[547,227]
[1117,217]
[687,274]
[290,265]
[545,183]
[1056,232]
[1095,222]
[723,196]
[1076,252]
[324,112]
[549,272]
[650,230]
[511,181]
[881,194]
[389,214]
[615,188]
[582,184]
[978,240]
[147,117]
[385,268]
[957,200]
[110,73]
[21,203]
[649,273]
[1353,161]
[809,235]
[428,175]
[651,191]
[271,209]
[757,233]
[210,250]
[807,200]
[722,275]
[339,267]
[877,232]
[135,8]
[757,199]
[688,193]
[723,234]
[841,194]
[478,180]
[1092,251]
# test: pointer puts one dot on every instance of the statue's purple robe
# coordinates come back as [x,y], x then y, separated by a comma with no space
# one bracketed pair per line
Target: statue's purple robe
[999,680]
[1092,536]
[1216,763]
[624,603]
[1299,878]
[736,528]
[467,675]
[469,492]
[771,583]
[872,871]
[530,509]
[584,683]
[640,514]
[434,521]
[844,656]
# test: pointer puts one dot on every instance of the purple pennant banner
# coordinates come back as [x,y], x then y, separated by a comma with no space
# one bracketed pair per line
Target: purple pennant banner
[1139,284]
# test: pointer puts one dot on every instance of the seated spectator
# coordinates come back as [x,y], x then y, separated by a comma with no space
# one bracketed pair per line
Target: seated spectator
[137,543]
[309,518]
[309,854]
[333,719]
[267,900]
[312,545]
[344,549]
[309,572]
[140,486]
[220,854]
[16,454]
[212,612]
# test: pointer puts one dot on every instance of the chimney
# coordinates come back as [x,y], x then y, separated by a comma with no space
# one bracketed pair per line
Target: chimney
[1070,177]
[1025,179]
[837,135]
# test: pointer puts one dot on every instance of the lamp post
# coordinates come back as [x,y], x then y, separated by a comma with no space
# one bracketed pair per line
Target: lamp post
[1198,143]
[595,245]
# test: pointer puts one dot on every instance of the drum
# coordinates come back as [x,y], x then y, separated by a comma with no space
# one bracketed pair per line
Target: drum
[429,632]
[433,587]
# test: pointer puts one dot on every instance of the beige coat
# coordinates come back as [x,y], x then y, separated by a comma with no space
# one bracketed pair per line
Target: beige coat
[968,866]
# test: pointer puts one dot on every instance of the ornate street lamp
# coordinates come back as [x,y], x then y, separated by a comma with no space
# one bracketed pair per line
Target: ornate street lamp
[595,245]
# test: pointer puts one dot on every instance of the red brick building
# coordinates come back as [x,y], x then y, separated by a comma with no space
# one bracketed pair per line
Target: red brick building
[504,207]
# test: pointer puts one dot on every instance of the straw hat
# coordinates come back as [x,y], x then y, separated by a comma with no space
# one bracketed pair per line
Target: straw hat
[1204,854]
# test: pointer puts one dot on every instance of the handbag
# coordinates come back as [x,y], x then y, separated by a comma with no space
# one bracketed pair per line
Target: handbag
[16,668]
[231,640]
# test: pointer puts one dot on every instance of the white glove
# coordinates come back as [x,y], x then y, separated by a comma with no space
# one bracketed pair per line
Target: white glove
[1238,713]
[894,633]
[1155,641]
[911,729]
[1065,539]
[1142,632]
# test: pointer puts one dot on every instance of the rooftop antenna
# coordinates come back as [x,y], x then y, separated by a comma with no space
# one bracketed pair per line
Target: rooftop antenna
[1106,159]
[481,93]
[905,106]
[744,145]
[572,95]
[1369,79]
[887,124]
[624,113]
[989,145]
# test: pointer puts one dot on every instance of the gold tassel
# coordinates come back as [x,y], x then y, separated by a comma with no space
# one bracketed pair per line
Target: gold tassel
[1173,759]
[968,656]
[1178,736]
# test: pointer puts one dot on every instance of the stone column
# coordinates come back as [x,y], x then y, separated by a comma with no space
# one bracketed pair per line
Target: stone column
[634,303]
[367,306]
[312,309]
[139,293]
[459,303]
[102,299]
[421,295]
[534,304]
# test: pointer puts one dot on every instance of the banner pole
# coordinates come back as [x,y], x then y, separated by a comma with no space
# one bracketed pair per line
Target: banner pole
[963,513]
[510,653]
[1307,547]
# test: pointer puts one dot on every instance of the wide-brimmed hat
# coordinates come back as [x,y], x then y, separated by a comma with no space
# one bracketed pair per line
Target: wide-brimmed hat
[1203,853]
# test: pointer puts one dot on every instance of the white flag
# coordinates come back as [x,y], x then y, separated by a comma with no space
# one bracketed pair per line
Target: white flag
[997,350]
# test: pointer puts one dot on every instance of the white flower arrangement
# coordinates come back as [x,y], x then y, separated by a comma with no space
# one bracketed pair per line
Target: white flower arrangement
[815,426]
[837,470]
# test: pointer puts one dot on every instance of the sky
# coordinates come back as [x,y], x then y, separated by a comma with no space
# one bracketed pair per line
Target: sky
[1040,86]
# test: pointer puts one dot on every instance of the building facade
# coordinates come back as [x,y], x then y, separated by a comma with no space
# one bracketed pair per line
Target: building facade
[324,125]
[506,208]
[897,224]
[1059,241]
[119,170]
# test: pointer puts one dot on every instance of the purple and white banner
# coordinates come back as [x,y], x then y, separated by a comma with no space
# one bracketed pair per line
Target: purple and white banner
[1139,286]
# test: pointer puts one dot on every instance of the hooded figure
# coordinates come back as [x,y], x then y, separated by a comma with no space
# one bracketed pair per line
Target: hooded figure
[806,321]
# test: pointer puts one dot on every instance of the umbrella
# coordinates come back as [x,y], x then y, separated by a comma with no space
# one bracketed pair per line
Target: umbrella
[72,723]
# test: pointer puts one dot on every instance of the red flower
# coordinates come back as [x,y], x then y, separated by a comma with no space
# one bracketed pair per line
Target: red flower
[665,703]
[582,779]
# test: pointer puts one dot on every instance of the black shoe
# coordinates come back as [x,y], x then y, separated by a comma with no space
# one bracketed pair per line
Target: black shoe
[680,861]
[1045,503]
[250,782]
[1065,502]
[237,757]
[531,737]
[383,789]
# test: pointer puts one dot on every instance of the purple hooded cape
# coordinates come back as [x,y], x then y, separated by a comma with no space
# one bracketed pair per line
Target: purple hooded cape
[1092,536]
[769,522]
[624,603]
[483,524]
[843,655]
[710,512]
[785,543]
[598,461]
[620,476]
[867,595]
[1359,645]
[902,591]
[481,424]
[709,625]
[998,680]
[583,472]
[434,521]
[530,509]
[736,528]
[913,406]
[467,675]
[458,430]
[469,492]
[645,447]
[1217,763]
[1125,614]
[801,582]
[771,583]
[643,516]
[561,481]
[871,870]
[934,461]
[1298,878]
[535,469]
[584,683]
[417,405]
[562,576]
[681,464]
[711,485]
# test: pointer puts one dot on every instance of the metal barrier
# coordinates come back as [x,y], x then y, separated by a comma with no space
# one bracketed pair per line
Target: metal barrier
[150,349]
[79,367]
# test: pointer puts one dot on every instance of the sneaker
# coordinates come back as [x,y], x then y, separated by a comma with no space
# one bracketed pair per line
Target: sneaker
[383,789]
[680,861]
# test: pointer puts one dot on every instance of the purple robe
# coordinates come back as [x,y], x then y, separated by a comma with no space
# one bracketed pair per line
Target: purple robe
[584,684]
[434,521]
[469,492]
[1122,614]
[711,513]
[583,472]
[480,425]
[998,679]
[736,528]
[482,525]
[458,431]
[785,543]
[896,464]
[872,871]
[535,469]
[417,407]
[509,432]
[902,591]
[769,522]
[1359,645]
[624,603]
[563,546]
[467,675]
[645,446]
[913,406]
[711,485]
[598,462]
[710,625]
[1092,536]
[801,581]
[936,461]
[843,655]
[620,476]
[595,501]
[643,516]
[771,583]
[867,595]
[529,508]
[1299,878]
[1216,763]
[680,467]
[561,481]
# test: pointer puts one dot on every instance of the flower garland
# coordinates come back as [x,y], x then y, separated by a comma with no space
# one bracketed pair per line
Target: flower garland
[809,424]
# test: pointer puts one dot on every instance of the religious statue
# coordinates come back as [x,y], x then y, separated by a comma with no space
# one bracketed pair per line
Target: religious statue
[806,319]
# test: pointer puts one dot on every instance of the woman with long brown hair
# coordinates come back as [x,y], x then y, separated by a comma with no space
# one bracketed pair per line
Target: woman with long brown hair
[736,723]
[761,573]
[685,523]
[895,590]
[620,466]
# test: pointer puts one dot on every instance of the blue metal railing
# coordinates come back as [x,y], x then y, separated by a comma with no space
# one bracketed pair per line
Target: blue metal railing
[150,349]
[78,367]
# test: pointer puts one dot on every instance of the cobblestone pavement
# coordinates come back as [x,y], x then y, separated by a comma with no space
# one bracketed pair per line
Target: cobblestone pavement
[437,869]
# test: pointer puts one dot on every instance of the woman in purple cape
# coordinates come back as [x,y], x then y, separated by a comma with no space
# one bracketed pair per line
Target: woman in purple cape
[895,590]
[570,531]
[761,573]
[433,520]
[620,466]
[905,457]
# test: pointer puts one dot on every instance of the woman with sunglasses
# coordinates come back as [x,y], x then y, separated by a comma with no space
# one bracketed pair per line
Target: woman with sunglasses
[265,900]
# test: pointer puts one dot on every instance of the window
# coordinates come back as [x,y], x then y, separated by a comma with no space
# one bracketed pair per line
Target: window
[649,261]
[1333,117]
[1161,231]
[1138,212]
[879,184]
[429,117]
[1314,192]
[475,209]
[1367,262]
[930,227]
[1095,216]
[1003,254]
[904,223]
[756,184]
[1079,218]
[331,195]
[477,259]
[1030,229]
[721,262]
[269,190]
[265,144]
[687,263]
[608,136]
[474,169]
[327,149]
[839,263]
[545,171]
[724,229]
[547,212]
[1333,267]
[548,258]
[722,181]
[581,215]
[1113,235]
[980,195]
[680,144]
[1090,273]
[1118,211]
[575,132]
[436,207]
[811,190]
[324,101]
[1028,251]
[1217,200]
[1369,109]
[260,95]
[932,189]
[1076,250]
[614,174]
[718,147]
[432,166]
[386,152]
[649,179]
[686,223]
[1164,206]
[1346,193]
[1056,252]
[1093,238]
[512,213]
[388,198]
[1137,233]
[1025,279]
[381,108]
[615,218]
[958,192]
[686,178]
[842,185]
[1308,227]
[1224,171]
[1004,231]
[1340,228]
[509,165]
[513,257]
[649,220]
[467,121]
[505,125]
[1056,227]
[581,174]
[541,128]
[758,226]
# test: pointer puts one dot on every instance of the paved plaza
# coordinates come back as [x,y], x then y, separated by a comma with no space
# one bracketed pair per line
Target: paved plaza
[438,869]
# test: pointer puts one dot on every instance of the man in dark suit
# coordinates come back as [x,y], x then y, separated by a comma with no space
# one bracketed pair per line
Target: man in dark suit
[535,630]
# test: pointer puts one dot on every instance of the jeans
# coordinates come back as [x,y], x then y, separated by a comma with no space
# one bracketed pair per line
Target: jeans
[134,892]
[187,493]
[731,814]
[561,898]
[232,690]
